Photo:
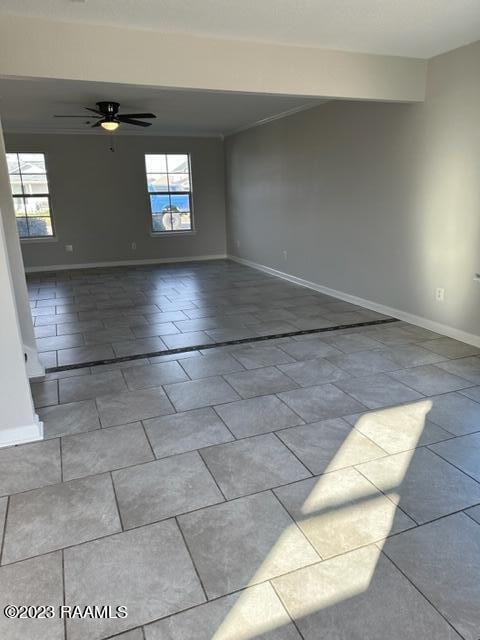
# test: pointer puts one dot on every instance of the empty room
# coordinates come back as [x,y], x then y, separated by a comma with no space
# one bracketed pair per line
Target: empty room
[240,346]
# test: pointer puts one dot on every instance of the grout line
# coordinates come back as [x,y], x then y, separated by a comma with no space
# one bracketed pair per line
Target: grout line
[382,552]
[4,532]
[122,527]
[284,606]
[452,464]
[293,454]
[213,477]
[64,596]
[191,558]
[396,505]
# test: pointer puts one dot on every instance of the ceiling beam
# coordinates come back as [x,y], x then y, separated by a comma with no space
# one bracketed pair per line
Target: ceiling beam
[39,48]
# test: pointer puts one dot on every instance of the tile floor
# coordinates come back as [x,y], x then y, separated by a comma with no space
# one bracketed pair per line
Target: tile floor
[99,314]
[323,486]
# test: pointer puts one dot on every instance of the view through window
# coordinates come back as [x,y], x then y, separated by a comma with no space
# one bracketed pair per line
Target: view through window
[170,191]
[29,183]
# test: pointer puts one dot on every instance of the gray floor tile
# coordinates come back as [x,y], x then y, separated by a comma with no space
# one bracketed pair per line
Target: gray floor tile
[215,364]
[473,393]
[474,513]
[378,391]
[161,329]
[148,570]
[3,513]
[427,486]
[187,339]
[44,394]
[73,417]
[85,354]
[59,342]
[88,387]
[120,408]
[154,375]
[260,382]
[443,560]
[78,327]
[359,594]
[36,581]
[252,465]
[48,359]
[29,466]
[135,634]
[187,431]
[353,342]
[47,331]
[430,379]
[450,348]
[58,516]
[313,372]
[317,403]
[138,346]
[468,368]
[329,445]
[309,349]
[397,429]
[164,488]
[245,615]
[261,356]
[110,335]
[364,363]
[257,415]
[455,413]
[341,511]
[463,452]
[411,355]
[200,393]
[102,450]
[244,542]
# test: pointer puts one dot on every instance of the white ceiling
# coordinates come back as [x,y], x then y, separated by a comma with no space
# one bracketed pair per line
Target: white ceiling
[414,28]
[29,105]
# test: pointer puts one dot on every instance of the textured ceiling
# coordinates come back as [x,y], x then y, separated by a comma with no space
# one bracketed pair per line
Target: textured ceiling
[29,105]
[415,28]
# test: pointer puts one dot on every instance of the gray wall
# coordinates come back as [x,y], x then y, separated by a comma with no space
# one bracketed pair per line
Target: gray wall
[381,201]
[100,204]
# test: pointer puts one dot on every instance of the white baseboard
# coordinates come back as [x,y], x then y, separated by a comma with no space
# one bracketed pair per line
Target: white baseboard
[443,329]
[123,263]
[20,435]
[34,367]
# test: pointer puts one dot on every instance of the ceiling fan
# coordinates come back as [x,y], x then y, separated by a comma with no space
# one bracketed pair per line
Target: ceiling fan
[109,119]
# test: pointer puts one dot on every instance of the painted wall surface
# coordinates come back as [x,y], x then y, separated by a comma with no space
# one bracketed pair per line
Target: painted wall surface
[381,201]
[100,203]
[39,48]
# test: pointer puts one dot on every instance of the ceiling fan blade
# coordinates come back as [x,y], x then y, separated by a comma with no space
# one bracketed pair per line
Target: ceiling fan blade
[85,117]
[138,123]
[137,115]
[94,111]
[97,123]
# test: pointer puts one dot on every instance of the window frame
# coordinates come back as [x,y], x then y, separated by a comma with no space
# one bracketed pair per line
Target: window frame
[29,238]
[171,232]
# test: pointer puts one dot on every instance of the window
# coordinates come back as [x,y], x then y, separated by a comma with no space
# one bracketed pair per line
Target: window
[29,183]
[170,192]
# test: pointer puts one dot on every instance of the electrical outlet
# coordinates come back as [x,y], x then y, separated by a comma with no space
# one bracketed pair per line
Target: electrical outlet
[69,248]
[284,254]
[134,245]
[439,294]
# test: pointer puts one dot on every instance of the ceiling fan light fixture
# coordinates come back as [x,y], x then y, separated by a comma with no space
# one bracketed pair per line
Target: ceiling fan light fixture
[109,125]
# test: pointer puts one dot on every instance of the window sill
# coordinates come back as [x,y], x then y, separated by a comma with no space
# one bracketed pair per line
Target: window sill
[35,240]
[162,234]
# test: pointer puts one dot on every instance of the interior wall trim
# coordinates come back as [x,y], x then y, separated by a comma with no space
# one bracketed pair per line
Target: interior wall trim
[426,323]
[123,263]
